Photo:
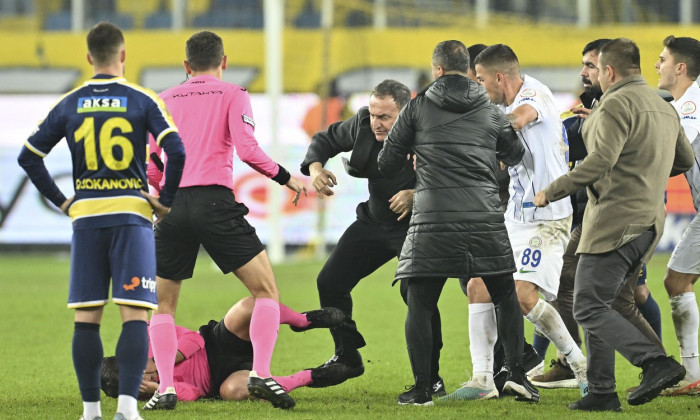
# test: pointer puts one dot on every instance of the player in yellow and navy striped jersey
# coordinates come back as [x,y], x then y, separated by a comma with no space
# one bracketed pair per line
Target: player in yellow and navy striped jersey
[106,122]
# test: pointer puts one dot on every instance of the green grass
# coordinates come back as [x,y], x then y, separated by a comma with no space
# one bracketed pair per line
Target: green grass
[38,381]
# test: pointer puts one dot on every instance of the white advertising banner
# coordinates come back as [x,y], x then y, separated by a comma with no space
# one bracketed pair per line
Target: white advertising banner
[26,218]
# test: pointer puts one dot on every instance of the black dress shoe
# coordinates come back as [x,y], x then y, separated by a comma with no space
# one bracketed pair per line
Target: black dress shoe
[597,402]
[416,396]
[337,369]
[322,318]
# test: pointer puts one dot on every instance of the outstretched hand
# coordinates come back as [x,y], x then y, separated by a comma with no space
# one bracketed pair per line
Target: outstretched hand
[323,180]
[158,208]
[298,187]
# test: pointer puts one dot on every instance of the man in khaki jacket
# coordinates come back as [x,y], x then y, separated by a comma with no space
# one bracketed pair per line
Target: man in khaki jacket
[634,142]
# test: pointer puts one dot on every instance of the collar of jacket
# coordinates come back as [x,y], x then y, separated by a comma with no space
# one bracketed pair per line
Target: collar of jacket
[361,151]
[588,101]
[633,79]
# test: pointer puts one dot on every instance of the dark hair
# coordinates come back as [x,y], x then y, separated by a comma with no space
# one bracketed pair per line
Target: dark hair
[685,50]
[204,51]
[451,56]
[501,57]
[104,41]
[396,90]
[595,45]
[109,377]
[474,51]
[622,54]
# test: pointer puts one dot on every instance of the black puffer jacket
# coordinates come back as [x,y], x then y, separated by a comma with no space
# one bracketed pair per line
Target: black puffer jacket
[457,227]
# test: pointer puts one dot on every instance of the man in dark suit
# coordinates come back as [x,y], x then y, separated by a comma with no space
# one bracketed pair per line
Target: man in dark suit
[379,231]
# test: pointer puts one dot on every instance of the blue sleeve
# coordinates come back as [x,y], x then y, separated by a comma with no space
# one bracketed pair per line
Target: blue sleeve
[175,150]
[164,131]
[38,145]
[33,165]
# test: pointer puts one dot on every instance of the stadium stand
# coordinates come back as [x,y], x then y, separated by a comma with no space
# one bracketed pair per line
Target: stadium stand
[309,16]
[231,14]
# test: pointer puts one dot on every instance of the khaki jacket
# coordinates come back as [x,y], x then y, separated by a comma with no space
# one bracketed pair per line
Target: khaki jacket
[635,142]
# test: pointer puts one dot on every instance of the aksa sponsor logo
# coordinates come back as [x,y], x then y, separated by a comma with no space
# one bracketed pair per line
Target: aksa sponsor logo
[528,93]
[102,104]
[146,283]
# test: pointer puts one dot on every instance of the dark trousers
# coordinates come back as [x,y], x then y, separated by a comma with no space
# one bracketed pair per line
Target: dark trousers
[362,249]
[564,302]
[423,294]
[604,307]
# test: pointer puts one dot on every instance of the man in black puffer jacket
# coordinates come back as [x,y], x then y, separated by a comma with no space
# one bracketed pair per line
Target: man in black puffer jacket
[457,227]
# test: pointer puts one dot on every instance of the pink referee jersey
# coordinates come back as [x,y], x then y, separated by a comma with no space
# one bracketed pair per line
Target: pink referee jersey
[192,376]
[214,119]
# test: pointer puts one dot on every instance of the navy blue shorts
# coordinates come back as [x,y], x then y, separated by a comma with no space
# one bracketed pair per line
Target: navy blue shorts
[126,254]
[642,275]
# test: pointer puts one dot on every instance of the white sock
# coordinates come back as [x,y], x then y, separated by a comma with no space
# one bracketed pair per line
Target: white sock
[126,404]
[91,410]
[684,310]
[550,324]
[483,333]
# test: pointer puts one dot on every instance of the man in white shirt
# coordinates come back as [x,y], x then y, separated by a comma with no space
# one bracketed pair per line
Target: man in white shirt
[538,235]
[678,67]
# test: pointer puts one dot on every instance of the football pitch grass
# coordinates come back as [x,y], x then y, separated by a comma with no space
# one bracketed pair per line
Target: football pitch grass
[38,382]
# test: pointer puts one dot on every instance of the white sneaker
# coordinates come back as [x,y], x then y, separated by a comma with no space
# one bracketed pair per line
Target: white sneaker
[536,371]
[473,390]
[684,387]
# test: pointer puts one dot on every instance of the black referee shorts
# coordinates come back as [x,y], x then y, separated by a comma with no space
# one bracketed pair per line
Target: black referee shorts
[226,353]
[207,216]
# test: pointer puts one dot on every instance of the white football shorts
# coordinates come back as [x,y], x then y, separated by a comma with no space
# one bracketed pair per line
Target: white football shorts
[686,255]
[538,249]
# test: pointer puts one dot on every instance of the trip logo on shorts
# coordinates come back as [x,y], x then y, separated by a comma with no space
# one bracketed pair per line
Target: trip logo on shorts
[146,283]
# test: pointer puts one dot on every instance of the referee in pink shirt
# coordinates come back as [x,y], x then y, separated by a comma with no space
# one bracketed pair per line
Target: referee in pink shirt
[214,119]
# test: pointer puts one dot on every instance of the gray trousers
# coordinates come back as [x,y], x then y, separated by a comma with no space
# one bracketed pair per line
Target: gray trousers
[604,307]
[564,303]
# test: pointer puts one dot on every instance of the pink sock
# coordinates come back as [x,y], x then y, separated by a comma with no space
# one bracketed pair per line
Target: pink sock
[264,327]
[289,383]
[291,317]
[161,332]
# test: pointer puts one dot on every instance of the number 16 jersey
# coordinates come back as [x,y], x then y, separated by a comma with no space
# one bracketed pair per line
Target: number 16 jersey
[106,122]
